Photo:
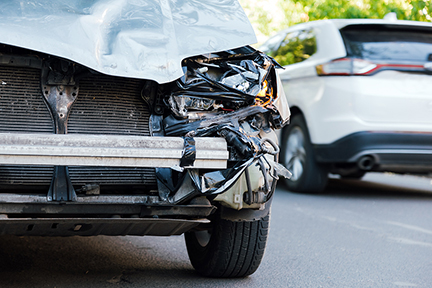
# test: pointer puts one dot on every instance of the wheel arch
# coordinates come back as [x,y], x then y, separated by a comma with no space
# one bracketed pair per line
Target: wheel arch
[295,110]
[313,177]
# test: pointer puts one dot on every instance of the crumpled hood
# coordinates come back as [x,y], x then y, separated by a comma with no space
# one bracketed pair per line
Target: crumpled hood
[132,38]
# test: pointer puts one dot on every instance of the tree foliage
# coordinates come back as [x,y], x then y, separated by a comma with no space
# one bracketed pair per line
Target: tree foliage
[296,47]
[269,16]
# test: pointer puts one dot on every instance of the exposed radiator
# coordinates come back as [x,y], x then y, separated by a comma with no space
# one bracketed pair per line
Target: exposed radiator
[112,176]
[105,105]
[21,106]
[109,105]
[19,175]
[42,175]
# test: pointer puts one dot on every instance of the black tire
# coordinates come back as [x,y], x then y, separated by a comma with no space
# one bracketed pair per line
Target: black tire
[298,156]
[234,248]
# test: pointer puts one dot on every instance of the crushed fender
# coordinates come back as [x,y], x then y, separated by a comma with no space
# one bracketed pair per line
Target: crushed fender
[232,94]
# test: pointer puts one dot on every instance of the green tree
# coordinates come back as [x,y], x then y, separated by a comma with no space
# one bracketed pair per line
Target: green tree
[269,16]
[296,47]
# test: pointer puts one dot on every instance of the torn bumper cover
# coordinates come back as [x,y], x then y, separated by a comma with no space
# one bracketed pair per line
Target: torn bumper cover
[235,97]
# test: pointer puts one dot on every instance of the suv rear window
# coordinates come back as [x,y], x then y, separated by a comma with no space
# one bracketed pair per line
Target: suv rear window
[387,42]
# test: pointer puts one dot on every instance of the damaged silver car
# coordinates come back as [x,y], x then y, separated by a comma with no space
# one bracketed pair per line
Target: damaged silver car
[139,117]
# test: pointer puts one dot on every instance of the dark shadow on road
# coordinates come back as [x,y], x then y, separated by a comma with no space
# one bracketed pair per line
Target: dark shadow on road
[396,186]
[359,188]
[99,262]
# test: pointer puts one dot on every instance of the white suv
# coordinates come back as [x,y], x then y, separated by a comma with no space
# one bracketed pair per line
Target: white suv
[360,95]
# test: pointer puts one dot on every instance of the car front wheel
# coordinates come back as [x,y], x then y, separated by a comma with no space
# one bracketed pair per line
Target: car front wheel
[298,156]
[229,249]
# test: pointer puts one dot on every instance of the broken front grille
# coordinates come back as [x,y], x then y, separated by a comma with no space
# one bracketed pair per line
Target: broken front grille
[105,105]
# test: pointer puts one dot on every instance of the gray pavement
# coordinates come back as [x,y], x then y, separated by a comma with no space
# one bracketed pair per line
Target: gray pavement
[371,233]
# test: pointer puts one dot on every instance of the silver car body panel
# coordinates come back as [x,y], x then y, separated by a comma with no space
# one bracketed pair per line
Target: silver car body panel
[144,39]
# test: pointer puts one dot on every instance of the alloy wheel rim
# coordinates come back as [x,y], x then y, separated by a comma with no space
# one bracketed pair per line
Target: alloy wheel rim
[295,153]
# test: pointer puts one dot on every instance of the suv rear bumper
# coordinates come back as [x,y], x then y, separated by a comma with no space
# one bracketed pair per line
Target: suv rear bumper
[397,152]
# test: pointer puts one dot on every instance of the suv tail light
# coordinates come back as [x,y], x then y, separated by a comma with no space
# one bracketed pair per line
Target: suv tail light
[355,66]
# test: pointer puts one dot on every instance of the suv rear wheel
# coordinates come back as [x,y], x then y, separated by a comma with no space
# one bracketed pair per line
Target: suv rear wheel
[229,248]
[297,155]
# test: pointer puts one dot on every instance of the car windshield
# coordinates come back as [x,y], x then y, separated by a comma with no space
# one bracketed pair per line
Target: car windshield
[374,42]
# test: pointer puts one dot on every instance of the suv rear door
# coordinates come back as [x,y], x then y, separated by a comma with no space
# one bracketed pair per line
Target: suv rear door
[396,87]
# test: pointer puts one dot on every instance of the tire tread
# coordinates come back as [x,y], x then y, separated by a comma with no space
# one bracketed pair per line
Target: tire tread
[237,250]
[315,175]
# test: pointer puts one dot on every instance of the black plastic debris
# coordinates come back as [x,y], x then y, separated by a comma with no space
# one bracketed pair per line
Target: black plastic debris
[189,152]
[230,94]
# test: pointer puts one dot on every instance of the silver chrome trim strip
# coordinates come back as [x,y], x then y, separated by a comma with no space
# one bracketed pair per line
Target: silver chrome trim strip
[108,150]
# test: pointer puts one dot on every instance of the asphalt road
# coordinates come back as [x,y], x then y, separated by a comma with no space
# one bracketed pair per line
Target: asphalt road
[371,233]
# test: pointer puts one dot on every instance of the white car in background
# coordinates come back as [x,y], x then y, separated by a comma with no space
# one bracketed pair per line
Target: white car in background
[360,94]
